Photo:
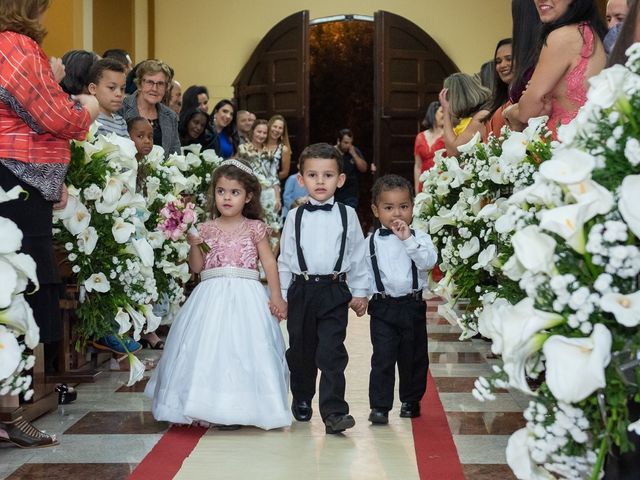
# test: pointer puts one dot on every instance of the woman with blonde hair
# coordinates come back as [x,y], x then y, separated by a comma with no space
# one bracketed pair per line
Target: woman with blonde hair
[465,99]
[37,121]
[152,79]
[278,146]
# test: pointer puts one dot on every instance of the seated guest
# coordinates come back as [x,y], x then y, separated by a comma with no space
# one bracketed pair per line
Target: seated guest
[196,96]
[107,82]
[77,64]
[192,128]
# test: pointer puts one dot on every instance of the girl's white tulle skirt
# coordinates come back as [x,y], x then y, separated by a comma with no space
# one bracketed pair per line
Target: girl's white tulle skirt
[223,361]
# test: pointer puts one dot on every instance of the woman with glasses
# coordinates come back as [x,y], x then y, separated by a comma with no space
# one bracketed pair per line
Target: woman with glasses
[152,79]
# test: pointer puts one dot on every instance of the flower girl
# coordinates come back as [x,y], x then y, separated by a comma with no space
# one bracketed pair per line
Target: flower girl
[223,361]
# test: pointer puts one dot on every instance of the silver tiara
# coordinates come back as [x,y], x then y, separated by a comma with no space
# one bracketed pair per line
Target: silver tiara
[237,164]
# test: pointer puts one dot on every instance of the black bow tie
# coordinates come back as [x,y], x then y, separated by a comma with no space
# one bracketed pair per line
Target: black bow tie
[385,232]
[312,208]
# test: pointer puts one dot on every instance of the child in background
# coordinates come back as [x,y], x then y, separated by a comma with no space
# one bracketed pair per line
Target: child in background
[141,132]
[224,362]
[107,81]
[397,260]
[322,244]
[292,192]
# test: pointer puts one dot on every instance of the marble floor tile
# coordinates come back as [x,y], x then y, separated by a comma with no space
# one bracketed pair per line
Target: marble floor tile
[435,346]
[137,387]
[456,370]
[69,471]
[481,449]
[456,357]
[485,423]
[487,472]
[444,337]
[443,328]
[457,384]
[109,423]
[466,402]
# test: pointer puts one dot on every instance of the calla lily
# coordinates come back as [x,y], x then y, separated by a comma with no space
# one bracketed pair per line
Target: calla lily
[210,156]
[446,288]
[490,210]
[597,199]
[534,126]
[123,321]
[10,236]
[156,239]
[12,194]
[122,230]
[67,212]
[128,179]
[568,222]
[485,257]
[8,280]
[19,317]
[79,221]
[88,240]
[575,367]
[609,85]
[513,269]
[458,175]
[153,320]
[541,192]
[625,308]
[470,247]
[489,322]
[436,223]
[25,267]
[448,313]
[112,190]
[136,370]
[471,145]
[519,458]
[144,251]
[131,200]
[628,203]
[10,354]
[97,282]
[496,174]
[138,321]
[514,148]
[534,249]
[126,148]
[179,161]
[568,165]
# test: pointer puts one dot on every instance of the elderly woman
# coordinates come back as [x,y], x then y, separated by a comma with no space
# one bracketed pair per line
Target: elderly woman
[152,80]
[37,120]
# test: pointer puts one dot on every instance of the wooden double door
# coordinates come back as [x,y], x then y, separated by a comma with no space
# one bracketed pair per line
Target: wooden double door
[409,68]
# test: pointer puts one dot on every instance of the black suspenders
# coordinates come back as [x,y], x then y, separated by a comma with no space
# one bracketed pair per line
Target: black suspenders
[343,241]
[376,270]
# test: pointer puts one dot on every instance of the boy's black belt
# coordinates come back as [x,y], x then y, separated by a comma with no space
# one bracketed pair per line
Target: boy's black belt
[417,295]
[308,278]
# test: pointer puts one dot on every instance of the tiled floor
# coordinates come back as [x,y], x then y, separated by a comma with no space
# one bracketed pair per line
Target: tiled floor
[110,429]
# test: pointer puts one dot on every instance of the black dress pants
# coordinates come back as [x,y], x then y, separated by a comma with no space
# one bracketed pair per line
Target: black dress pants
[317,326]
[398,335]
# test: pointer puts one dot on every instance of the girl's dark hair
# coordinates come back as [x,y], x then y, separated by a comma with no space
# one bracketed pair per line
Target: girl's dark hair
[77,64]
[578,11]
[183,125]
[626,36]
[190,96]
[252,209]
[132,121]
[429,121]
[500,89]
[390,182]
[525,35]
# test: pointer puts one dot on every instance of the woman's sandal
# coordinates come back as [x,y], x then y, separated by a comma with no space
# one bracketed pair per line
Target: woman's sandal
[24,435]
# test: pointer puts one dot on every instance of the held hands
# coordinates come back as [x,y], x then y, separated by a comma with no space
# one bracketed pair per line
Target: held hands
[359,305]
[278,307]
[400,229]
[194,240]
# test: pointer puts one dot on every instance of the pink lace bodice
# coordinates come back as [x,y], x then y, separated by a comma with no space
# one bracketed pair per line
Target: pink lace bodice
[575,84]
[233,249]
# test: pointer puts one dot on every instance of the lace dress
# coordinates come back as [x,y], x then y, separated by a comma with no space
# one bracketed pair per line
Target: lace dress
[224,358]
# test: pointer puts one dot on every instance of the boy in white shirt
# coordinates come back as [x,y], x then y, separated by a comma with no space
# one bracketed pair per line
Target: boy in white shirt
[107,80]
[321,250]
[397,259]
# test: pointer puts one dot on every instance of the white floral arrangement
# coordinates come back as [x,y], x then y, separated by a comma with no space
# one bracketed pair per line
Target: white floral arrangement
[570,246]
[18,329]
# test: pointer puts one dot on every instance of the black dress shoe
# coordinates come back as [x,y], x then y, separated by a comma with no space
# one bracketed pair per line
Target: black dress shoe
[379,416]
[301,410]
[410,409]
[337,422]
[66,394]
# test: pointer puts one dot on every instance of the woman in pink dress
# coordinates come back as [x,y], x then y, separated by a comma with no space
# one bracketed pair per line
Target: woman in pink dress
[571,52]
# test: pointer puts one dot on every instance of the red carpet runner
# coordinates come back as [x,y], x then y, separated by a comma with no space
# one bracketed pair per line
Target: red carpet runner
[436,453]
[165,460]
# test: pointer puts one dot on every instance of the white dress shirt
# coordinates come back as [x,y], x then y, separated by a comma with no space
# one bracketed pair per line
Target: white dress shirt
[394,262]
[321,233]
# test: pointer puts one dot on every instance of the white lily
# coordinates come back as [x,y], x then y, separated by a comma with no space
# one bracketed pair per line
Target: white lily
[534,126]
[513,269]
[79,221]
[72,205]
[446,288]
[541,192]
[112,191]
[625,308]
[88,240]
[97,282]
[12,194]
[25,267]
[128,179]
[156,239]
[122,230]
[568,165]
[179,161]
[436,223]
[485,257]
[8,280]
[514,148]
[138,321]
[126,149]
[210,156]
[470,247]
[471,145]
[575,367]
[448,313]
[496,174]
[136,370]
[568,222]
[123,321]
[628,202]
[153,321]
[609,85]
[10,236]
[104,207]
[599,200]
[144,251]
[10,354]
[489,322]
[458,175]
[19,316]
[193,160]
[534,249]
[519,458]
